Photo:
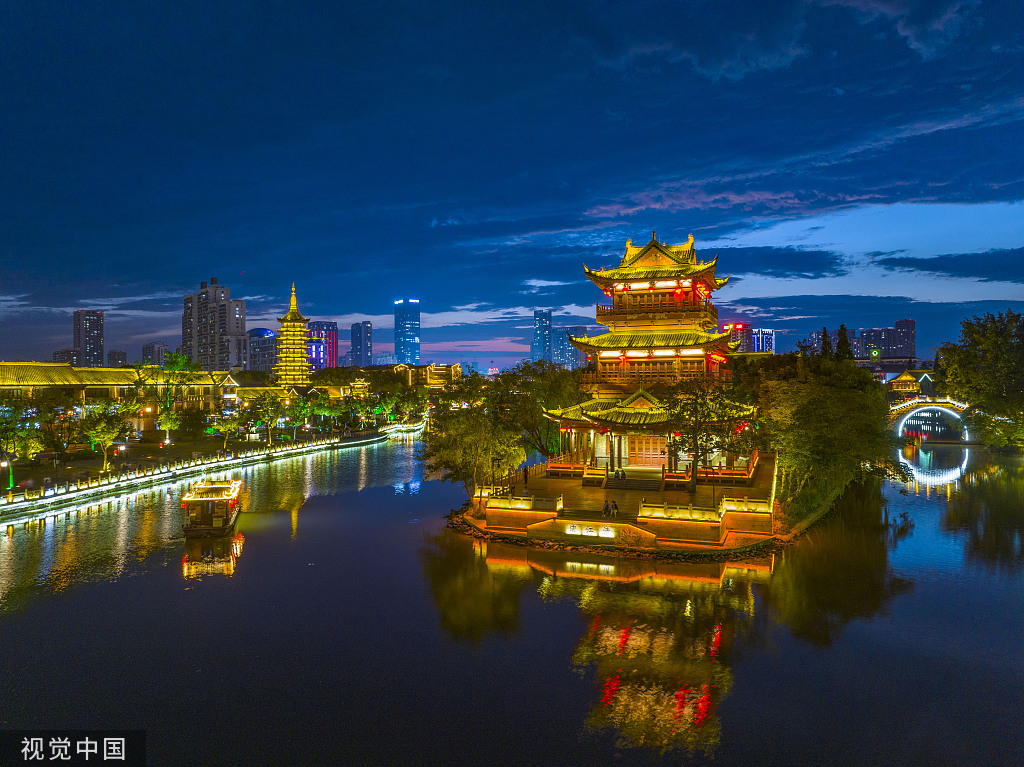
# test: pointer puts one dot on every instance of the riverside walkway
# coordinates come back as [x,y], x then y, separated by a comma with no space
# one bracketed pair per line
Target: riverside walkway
[23,507]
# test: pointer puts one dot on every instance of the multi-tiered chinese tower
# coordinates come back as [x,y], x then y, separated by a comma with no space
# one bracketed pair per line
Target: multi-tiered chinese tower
[662,328]
[293,368]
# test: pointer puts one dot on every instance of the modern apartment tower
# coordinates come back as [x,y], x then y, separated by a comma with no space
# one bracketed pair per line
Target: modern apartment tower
[213,328]
[540,348]
[117,359]
[153,353]
[262,349]
[323,345]
[89,337]
[362,342]
[407,331]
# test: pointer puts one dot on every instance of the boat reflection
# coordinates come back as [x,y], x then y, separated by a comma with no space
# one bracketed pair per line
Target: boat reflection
[211,556]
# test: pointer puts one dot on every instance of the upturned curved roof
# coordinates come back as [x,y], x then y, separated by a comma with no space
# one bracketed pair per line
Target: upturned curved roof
[676,339]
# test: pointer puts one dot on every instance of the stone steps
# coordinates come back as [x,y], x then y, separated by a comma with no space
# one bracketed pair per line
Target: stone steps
[652,485]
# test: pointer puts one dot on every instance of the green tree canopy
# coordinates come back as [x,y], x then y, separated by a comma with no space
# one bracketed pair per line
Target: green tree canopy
[985,369]
[466,443]
[518,397]
[844,351]
[706,417]
[103,424]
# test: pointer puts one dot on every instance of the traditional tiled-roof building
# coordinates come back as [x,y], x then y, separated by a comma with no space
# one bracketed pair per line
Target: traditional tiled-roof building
[663,328]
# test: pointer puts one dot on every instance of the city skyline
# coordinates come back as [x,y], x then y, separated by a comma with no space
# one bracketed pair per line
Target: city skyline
[850,162]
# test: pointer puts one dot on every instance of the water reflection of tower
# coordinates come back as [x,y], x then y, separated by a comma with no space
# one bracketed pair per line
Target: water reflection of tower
[659,638]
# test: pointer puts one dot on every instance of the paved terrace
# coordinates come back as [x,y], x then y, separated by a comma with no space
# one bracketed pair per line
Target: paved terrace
[586,501]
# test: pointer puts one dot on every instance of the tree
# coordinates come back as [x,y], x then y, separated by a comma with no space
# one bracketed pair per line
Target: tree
[193,423]
[465,445]
[517,398]
[167,420]
[55,410]
[826,345]
[706,419]
[226,425]
[179,372]
[13,410]
[827,420]
[844,351]
[103,424]
[297,410]
[985,369]
[268,408]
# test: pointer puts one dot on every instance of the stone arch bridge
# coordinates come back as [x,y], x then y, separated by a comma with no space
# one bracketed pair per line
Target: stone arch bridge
[901,412]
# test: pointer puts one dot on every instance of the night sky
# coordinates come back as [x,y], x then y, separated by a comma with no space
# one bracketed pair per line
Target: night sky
[851,161]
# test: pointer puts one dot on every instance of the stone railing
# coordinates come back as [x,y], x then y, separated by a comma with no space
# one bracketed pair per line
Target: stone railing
[524,503]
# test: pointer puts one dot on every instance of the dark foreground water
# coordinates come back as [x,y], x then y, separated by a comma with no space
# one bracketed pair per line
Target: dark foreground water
[345,626]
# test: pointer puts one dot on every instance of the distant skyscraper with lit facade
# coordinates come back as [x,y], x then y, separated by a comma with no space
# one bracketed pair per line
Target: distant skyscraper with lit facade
[262,349]
[153,353]
[323,345]
[563,353]
[540,347]
[407,331]
[362,343]
[89,337]
[213,328]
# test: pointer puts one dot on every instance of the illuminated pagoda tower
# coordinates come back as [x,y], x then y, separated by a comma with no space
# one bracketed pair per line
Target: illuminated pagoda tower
[293,366]
[663,328]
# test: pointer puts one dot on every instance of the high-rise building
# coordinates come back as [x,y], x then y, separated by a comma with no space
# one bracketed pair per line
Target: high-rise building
[153,353]
[905,342]
[262,349]
[563,352]
[362,343]
[895,342]
[117,359]
[68,354]
[742,332]
[323,345]
[407,331]
[89,337]
[292,347]
[213,328]
[763,340]
[540,347]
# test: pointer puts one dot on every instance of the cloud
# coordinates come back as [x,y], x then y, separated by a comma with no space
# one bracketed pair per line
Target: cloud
[927,25]
[991,266]
[534,285]
[747,36]
[783,262]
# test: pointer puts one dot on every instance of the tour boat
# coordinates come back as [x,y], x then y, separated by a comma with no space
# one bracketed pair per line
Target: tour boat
[212,507]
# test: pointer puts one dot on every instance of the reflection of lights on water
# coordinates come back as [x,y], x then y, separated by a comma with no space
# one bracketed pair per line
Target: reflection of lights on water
[935,477]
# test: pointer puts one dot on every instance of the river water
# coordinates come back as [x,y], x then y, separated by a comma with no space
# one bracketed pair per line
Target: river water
[344,625]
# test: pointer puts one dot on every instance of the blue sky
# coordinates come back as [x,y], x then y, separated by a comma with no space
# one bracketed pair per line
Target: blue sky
[850,161]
